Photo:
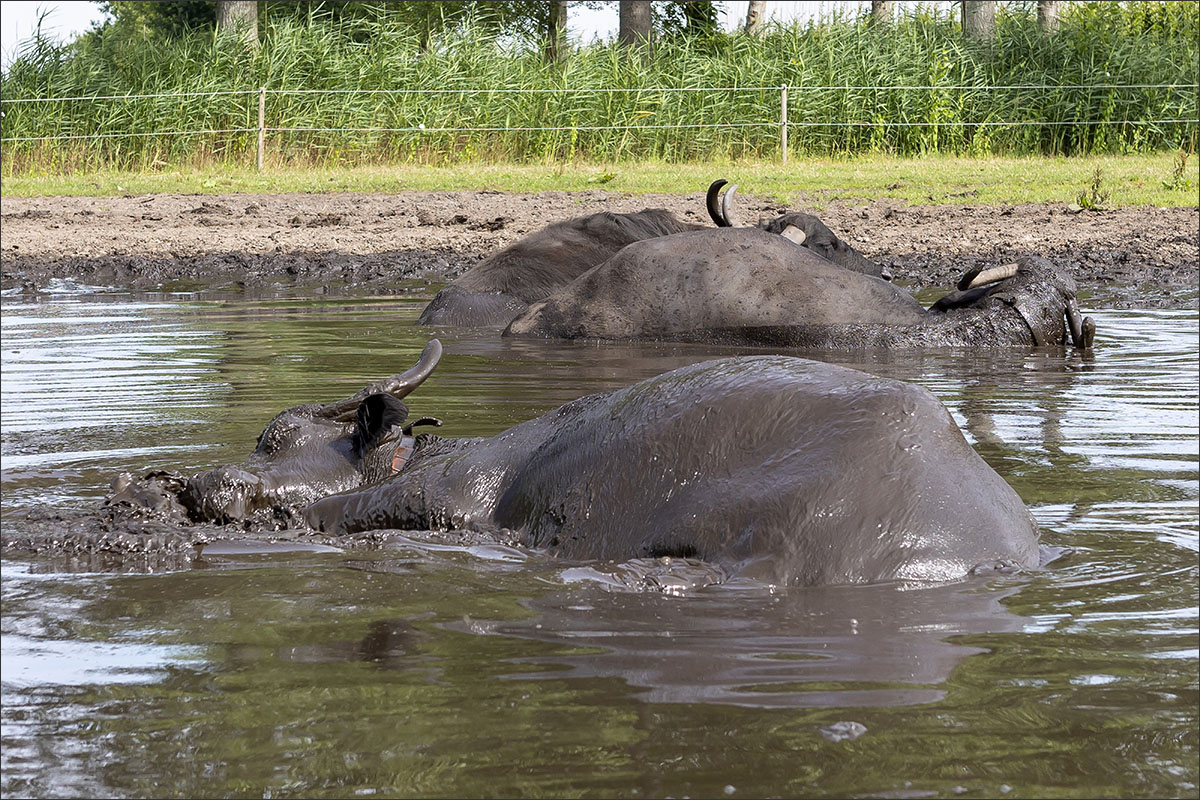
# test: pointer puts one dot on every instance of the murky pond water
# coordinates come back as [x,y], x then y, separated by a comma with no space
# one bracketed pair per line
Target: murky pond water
[433,670]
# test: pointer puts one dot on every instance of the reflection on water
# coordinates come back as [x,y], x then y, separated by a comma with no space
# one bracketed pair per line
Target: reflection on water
[36,655]
[439,670]
[849,646]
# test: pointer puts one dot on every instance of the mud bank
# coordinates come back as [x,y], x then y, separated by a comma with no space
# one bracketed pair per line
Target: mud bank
[381,243]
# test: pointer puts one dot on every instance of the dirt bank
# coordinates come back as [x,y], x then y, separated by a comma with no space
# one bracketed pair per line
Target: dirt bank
[370,242]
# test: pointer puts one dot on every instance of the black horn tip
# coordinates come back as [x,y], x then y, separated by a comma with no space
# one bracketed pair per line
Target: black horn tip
[433,349]
[964,282]
[712,201]
[434,421]
[430,356]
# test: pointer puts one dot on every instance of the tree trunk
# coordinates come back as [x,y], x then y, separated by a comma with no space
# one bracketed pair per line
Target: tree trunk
[979,19]
[881,11]
[754,16]
[1048,15]
[635,23]
[240,16]
[556,31]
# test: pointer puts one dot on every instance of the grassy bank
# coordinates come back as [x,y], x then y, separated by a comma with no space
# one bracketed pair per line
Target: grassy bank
[1133,180]
[919,88]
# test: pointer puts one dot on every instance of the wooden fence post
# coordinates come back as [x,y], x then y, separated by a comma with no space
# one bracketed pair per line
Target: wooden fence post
[262,123]
[783,123]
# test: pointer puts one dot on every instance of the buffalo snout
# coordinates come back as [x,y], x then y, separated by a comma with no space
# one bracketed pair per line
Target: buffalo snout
[222,495]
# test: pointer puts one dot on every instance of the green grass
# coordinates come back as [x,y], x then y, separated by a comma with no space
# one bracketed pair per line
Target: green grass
[1132,180]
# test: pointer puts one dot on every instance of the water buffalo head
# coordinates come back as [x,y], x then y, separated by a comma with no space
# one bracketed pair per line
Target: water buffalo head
[1043,297]
[304,453]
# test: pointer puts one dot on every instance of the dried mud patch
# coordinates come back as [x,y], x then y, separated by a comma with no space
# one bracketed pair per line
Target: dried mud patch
[373,243]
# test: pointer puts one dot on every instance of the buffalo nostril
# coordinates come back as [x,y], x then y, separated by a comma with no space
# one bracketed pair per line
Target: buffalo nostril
[222,494]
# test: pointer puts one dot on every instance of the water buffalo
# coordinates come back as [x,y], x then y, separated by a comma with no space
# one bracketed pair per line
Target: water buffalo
[776,468]
[503,285]
[749,287]
[304,453]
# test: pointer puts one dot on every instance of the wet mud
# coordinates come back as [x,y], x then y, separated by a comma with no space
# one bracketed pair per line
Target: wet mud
[118,539]
[113,538]
[397,244]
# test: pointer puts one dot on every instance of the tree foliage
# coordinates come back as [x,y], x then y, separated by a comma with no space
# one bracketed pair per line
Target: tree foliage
[160,19]
[1172,19]
[524,19]
[687,17]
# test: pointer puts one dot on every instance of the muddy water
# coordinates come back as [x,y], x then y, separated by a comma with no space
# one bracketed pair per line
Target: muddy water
[432,670]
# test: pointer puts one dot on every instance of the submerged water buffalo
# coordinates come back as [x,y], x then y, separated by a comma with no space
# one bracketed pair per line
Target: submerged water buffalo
[504,284]
[304,453]
[785,470]
[749,287]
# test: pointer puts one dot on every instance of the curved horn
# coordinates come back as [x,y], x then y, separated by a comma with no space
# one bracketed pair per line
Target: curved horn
[1083,329]
[715,212]
[978,277]
[727,206]
[397,386]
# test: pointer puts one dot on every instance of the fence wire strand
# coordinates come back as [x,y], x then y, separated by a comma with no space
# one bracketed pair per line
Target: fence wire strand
[519,129]
[773,122]
[562,128]
[612,90]
[124,135]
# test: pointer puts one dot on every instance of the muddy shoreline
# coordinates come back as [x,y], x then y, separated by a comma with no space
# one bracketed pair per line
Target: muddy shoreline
[383,244]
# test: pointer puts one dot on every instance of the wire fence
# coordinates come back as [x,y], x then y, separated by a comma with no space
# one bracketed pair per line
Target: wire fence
[764,119]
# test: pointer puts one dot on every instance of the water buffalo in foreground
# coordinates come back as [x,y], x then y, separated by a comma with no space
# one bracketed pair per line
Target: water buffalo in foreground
[504,284]
[304,453]
[776,468]
[749,287]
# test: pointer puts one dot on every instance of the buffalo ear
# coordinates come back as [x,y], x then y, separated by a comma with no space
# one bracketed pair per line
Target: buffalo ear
[961,299]
[794,233]
[376,415]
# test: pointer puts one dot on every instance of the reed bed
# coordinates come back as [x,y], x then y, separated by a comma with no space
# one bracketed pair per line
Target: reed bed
[364,91]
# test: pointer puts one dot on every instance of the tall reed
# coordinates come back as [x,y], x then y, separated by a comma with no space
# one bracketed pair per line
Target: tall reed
[736,114]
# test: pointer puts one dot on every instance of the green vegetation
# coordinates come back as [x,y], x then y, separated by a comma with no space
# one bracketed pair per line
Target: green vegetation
[1179,179]
[1095,196]
[617,104]
[1132,180]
